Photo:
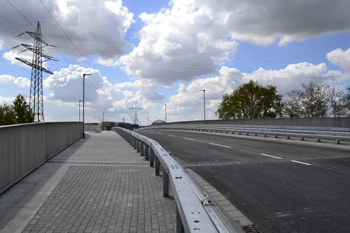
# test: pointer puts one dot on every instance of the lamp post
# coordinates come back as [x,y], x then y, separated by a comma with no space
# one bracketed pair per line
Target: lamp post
[103,118]
[84,103]
[165,113]
[204,104]
[79,109]
[148,118]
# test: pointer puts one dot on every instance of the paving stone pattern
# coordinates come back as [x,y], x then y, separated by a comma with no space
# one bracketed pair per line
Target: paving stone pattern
[106,199]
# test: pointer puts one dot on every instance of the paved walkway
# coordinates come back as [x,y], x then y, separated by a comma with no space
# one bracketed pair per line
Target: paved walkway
[99,184]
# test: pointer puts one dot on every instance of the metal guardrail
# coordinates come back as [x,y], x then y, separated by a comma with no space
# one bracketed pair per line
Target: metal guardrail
[342,134]
[195,212]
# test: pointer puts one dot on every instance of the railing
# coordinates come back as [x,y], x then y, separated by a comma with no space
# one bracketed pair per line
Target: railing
[195,212]
[25,147]
[337,134]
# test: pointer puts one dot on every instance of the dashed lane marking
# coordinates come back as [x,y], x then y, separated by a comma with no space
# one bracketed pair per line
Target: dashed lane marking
[171,135]
[294,161]
[190,139]
[219,145]
[271,156]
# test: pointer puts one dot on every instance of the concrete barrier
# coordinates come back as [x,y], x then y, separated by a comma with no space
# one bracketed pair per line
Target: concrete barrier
[25,147]
[341,122]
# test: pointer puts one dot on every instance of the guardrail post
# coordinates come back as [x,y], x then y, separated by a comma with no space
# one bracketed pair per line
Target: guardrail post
[142,149]
[134,142]
[157,165]
[147,152]
[138,145]
[179,225]
[151,159]
[165,183]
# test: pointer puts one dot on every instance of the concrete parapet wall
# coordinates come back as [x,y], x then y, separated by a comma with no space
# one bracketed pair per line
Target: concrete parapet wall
[341,122]
[91,126]
[25,147]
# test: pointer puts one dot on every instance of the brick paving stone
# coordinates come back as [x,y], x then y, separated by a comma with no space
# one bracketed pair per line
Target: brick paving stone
[106,199]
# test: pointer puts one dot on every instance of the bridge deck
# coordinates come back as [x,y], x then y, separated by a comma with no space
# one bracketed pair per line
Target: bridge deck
[96,185]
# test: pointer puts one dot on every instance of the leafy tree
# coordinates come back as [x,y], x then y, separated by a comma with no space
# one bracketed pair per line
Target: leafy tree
[251,100]
[346,99]
[314,100]
[24,114]
[310,102]
[337,102]
[7,115]
[292,106]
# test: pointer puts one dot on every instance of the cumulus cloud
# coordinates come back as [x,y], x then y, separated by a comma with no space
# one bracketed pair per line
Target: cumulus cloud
[18,83]
[340,57]
[189,100]
[178,44]
[65,89]
[93,27]
[192,38]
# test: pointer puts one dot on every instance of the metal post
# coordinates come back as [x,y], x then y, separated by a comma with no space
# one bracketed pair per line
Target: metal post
[103,118]
[151,159]
[84,103]
[137,145]
[141,151]
[165,113]
[157,165]
[165,184]
[147,153]
[179,226]
[79,109]
[204,105]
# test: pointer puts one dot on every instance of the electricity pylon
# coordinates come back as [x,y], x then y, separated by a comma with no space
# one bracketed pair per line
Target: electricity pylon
[36,102]
[135,117]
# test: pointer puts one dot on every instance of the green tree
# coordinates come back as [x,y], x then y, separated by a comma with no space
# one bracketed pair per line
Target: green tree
[251,100]
[346,99]
[24,114]
[336,102]
[7,115]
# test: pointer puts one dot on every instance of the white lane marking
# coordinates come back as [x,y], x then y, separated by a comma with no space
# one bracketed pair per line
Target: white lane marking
[159,133]
[190,139]
[219,145]
[294,161]
[171,135]
[275,157]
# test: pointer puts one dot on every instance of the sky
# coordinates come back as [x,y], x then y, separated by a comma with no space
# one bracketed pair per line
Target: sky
[161,54]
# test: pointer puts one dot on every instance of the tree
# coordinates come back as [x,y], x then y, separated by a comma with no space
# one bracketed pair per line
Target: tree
[310,102]
[337,102]
[346,100]
[251,100]
[24,114]
[7,115]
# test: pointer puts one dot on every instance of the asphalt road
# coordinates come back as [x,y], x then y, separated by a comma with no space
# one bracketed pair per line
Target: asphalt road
[280,187]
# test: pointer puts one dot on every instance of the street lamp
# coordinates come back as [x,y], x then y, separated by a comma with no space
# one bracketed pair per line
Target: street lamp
[165,113]
[79,109]
[204,104]
[84,103]
[148,118]
[103,118]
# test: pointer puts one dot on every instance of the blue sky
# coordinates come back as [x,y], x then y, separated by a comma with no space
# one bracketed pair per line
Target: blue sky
[164,52]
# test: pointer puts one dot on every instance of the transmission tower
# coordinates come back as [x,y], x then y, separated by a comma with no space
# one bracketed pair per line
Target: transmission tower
[135,116]
[36,102]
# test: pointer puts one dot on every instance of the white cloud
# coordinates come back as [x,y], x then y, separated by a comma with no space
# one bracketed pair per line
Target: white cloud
[188,103]
[340,57]
[18,83]
[66,89]
[95,27]
[192,38]
[295,74]
[178,44]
